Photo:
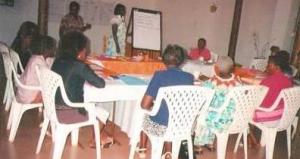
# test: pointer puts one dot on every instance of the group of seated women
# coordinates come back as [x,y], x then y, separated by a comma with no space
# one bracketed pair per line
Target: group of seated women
[75,72]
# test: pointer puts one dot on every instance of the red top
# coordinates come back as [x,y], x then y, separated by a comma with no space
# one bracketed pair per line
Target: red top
[197,53]
[276,82]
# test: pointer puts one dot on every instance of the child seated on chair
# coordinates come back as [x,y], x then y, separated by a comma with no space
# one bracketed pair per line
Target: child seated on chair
[43,50]
[222,81]
[72,51]
[173,57]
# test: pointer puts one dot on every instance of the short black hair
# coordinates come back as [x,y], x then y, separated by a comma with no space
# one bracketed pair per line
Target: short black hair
[202,39]
[41,44]
[281,62]
[74,3]
[71,44]
[174,55]
[120,9]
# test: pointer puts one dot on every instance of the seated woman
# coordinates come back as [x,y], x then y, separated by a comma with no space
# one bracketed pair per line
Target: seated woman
[201,52]
[74,73]
[214,121]
[22,43]
[173,57]
[275,81]
[43,48]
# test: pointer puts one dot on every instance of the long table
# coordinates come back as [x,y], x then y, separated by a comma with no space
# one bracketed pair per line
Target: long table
[197,68]
[127,98]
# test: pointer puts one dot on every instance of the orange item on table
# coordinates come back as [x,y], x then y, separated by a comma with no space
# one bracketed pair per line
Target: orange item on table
[125,66]
[244,72]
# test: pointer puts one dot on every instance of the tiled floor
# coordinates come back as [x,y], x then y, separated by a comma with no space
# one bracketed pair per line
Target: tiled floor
[27,137]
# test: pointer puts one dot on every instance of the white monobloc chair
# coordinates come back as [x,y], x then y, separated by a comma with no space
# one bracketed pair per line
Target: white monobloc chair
[4,50]
[184,104]
[291,98]
[16,60]
[214,57]
[50,82]
[17,108]
[259,64]
[246,99]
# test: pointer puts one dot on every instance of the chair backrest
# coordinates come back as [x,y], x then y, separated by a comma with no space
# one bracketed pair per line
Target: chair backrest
[50,82]
[16,60]
[291,98]
[7,66]
[184,104]
[214,57]
[4,50]
[246,99]
[259,64]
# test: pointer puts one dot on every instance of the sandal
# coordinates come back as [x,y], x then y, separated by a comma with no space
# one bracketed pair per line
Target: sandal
[210,147]
[198,150]
[167,155]
[141,152]
[107,142]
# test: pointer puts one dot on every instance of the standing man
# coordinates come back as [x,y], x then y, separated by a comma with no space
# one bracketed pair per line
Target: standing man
[73,21]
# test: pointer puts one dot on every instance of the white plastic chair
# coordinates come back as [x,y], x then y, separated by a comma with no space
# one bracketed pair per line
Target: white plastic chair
[4,50]
[259,64]
[291,98]
[50,82]
[214,57]
[16,60]
[184,104]
[17,108]
[246,99]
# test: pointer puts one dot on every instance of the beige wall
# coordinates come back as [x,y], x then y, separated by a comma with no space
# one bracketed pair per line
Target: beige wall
[12,17]
[98,31]
[184,21]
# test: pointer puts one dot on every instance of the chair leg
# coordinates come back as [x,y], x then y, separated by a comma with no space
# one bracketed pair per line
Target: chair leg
[245,134]
[237,142]
[288,139]
[98,139]
[190,148]
[295,124]
[221,145]
[9,96]
[11,116]
[60,141]
[175,148]
[17,115]
[74,137]
[52,131]
[5,93]
[157,145]
[42,135]
[263,138]
[270,144]
[133,144]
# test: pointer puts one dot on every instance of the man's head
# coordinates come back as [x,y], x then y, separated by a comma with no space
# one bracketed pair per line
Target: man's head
[201,43]
[74,8]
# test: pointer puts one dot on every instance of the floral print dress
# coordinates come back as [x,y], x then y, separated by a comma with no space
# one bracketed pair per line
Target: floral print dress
[121,34]
[216,121]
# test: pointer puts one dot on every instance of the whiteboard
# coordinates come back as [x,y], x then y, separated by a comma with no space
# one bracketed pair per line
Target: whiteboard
[146,29]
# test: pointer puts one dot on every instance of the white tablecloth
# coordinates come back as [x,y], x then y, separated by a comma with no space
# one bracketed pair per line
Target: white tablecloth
[128,99]
[197,68]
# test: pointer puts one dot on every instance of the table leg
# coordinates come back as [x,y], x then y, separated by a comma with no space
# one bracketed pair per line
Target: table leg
[115,141]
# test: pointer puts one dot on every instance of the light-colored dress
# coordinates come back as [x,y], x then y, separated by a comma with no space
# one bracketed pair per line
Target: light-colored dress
[121,34]
[29,78]
[215,121]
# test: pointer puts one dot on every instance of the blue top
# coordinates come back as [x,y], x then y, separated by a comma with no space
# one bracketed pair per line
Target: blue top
[169,77]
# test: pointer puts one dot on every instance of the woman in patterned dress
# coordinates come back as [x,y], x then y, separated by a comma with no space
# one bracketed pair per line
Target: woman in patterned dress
[116,41]
[215,121]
